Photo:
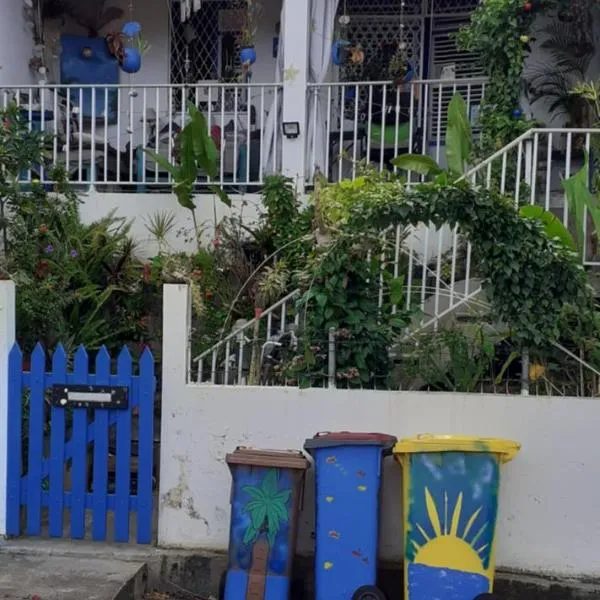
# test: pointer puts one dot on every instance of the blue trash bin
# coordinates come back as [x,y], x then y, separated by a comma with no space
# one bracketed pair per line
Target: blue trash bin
[265,501]
[347,486]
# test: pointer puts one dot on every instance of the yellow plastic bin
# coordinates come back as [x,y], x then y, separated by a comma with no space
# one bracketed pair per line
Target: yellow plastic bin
[450,497]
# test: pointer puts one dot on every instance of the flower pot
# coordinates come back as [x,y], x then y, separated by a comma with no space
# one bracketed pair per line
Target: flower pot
[248,55]
[131,29]
[132,60]
[338,52]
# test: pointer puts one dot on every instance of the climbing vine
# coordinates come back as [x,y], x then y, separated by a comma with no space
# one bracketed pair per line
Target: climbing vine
[530,279]
[500,35]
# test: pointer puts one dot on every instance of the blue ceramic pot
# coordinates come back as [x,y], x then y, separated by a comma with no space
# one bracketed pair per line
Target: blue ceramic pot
[337,52]
[132,60]
[131,29]
[248,55]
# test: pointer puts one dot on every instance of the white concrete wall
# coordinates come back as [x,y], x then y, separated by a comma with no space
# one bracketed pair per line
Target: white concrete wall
[540,56]
[549,520]
[139,208]
[16,45]
[7,339]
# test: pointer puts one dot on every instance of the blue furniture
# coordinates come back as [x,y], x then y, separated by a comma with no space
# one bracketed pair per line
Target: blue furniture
[86,61]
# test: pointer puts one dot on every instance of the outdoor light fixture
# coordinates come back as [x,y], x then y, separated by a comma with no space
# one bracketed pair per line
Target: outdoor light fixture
[291,129]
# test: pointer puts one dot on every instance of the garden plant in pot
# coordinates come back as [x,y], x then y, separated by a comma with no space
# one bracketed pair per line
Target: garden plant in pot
[251,11]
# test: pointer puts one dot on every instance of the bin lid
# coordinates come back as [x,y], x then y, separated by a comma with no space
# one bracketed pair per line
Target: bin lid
[280,459]
[427,442]
[350,438]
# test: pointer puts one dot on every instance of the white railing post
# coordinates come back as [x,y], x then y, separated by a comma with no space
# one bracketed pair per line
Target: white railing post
[176,334]
[7,340]
[175,367]
[295,31]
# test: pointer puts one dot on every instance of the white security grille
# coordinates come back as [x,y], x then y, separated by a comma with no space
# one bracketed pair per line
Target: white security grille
[206,46]
[446,7]
[380,7]
[447,61]
[371,32]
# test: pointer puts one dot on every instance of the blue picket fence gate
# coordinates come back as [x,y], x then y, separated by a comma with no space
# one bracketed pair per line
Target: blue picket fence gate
[76,442]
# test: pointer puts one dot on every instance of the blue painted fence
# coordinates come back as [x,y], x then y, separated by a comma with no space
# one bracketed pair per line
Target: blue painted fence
[45,442]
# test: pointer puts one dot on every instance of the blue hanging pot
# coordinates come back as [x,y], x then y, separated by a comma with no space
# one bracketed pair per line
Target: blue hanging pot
[248,55]
[131,29]
[410,73]
[132,60]
[338,55]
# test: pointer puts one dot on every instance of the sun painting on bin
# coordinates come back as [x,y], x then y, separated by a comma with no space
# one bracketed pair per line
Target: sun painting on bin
[450,547]
[451,552]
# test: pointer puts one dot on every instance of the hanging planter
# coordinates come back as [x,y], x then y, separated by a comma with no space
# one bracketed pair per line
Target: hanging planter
[248,55]
[339,52]
[132,60]
[131,29]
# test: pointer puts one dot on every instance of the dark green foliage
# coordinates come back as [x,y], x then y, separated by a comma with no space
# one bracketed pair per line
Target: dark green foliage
[76,283]
[529,277]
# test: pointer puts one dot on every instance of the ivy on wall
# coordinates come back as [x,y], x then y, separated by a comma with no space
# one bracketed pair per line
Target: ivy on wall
[500,34]
[530,279]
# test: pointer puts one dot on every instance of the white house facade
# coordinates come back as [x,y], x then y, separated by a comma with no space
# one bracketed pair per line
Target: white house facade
[294,110]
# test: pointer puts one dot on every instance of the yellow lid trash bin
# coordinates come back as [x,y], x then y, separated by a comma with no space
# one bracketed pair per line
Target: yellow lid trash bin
[450,506]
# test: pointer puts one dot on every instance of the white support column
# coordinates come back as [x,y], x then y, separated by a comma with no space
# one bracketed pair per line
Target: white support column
[7,340]
[175,365]
[295,30]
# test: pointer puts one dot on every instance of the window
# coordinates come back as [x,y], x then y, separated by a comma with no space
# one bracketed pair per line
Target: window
[206,47]
[447,61]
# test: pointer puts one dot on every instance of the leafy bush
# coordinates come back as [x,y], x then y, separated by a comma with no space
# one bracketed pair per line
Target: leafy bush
[76,283]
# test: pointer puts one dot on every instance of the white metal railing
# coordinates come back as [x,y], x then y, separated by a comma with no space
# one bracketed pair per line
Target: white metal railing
[230,357]
[532,167]
[372,122]
[99,132]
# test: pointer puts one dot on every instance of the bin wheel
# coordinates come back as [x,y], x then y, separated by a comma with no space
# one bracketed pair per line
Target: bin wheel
[222,582]
[297,589]
[368,592]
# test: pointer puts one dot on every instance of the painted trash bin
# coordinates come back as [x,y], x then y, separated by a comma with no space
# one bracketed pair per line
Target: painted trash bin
[450,498]
[265,498]
[347,485]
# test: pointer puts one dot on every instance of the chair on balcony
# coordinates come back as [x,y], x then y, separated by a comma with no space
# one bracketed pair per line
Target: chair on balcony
[84,148]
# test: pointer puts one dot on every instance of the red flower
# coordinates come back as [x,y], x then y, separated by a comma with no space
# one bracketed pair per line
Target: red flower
[42,270]
[208,294]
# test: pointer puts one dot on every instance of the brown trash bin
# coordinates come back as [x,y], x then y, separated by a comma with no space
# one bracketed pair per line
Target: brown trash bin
[265,500]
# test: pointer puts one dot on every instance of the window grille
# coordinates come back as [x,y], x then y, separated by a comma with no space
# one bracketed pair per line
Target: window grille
[206,46]
[448,61]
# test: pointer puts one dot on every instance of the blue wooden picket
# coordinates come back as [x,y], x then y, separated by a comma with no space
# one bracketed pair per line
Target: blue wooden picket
[38,460]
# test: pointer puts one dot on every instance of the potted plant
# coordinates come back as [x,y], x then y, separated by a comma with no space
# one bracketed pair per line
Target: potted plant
[340,47]
[251,11]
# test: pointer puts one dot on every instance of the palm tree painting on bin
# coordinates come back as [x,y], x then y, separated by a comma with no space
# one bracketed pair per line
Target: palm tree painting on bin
[262,519]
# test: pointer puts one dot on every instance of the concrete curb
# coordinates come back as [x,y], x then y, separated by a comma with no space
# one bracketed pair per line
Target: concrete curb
[200,571]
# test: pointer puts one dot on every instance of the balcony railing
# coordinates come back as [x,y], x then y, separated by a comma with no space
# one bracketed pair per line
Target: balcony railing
[99,132]
[359,123]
